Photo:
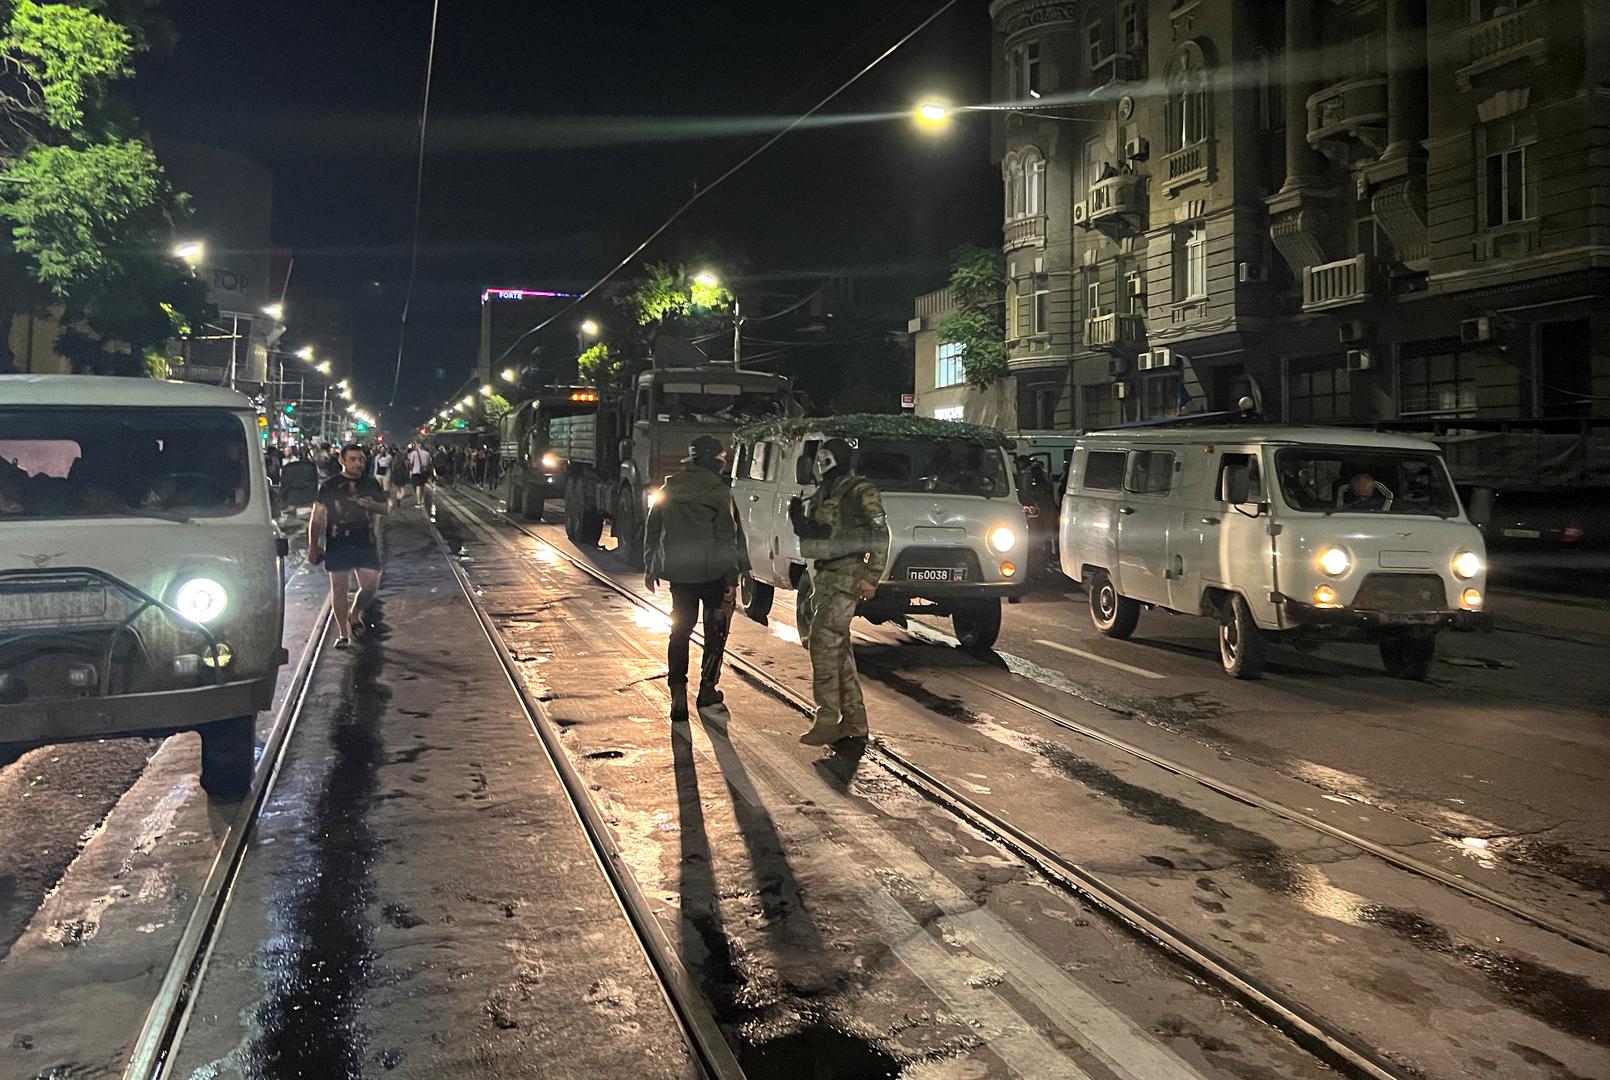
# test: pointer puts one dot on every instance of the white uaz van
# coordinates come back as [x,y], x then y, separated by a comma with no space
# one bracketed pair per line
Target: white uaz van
[1275,531]
[140,571]
[958,542]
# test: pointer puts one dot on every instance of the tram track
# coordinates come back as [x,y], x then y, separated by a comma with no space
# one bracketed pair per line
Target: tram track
[1306,1027]
[163,1029]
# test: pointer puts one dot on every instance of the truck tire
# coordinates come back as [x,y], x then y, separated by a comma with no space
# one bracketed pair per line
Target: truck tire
[755,597]
[1242,647]
[515,499]
[226,757]
[1407,654]
[532,503]
[978,625]
[574,505]
[1112,614]
[628,529]
[591,530]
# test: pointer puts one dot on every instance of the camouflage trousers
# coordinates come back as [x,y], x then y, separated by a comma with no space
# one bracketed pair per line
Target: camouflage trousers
[825,605]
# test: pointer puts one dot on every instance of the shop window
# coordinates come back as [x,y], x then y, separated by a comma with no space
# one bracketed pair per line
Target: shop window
[1443,384]
[1318,391]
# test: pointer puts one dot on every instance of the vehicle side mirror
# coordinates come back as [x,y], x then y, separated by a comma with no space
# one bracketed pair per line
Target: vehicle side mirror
[802,471]
[1235,484]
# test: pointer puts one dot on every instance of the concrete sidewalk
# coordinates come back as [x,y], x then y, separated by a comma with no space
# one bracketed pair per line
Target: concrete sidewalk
[420,899]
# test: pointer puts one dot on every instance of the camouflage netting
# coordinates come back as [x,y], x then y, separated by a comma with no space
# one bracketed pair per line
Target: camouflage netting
[871,426]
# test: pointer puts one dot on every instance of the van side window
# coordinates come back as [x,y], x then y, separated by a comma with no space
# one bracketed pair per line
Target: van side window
[1254,475]
[1104,470]
[1151,472]
[760,460]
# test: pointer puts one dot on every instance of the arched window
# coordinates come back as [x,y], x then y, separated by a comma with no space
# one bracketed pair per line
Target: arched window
[1033,183]
[1187,99]
[1012,175]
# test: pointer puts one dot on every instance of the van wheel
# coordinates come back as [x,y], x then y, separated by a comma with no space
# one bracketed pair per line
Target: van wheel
[755,597]
[226,757]
[1114,615]
[628,529]
[978,625]
[1242,646]
[1407,654]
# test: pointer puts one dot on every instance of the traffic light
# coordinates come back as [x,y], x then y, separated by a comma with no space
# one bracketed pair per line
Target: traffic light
[290,407]
[361,427]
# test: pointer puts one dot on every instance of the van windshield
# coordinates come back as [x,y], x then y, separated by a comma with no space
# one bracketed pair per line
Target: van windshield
[1330,480]
[943,466]
[60,462]
[720,403]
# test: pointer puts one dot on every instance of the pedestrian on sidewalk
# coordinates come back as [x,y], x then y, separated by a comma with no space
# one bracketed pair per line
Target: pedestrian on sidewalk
[691,540]
[845,539]
[343,532]
[419,466]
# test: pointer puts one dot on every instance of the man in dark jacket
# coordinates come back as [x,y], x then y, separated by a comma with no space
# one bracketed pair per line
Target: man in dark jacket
[691,540]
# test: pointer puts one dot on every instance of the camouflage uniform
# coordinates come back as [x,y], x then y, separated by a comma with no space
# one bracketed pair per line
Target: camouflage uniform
[849,510]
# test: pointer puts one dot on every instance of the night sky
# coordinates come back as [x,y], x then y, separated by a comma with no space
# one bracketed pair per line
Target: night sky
[536,174]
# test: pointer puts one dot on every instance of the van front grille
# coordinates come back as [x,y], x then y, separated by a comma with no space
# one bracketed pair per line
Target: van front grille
[1398,593]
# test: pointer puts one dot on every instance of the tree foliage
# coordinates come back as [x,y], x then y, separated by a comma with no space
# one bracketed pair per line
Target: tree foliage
[666,294]
[598,366]
[89,209]
[978,325]
[494,407]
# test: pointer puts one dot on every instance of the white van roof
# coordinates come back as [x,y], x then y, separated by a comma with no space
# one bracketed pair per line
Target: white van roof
[1196,435]
[100,390]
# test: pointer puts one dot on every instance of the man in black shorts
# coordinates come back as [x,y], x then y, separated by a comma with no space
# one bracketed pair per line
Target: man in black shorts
[343,532]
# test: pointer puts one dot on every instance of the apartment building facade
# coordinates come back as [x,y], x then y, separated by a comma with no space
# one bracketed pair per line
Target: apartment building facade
[1348,209]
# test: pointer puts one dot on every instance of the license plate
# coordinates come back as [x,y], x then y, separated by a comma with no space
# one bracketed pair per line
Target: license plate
[1524,534]
[930,573]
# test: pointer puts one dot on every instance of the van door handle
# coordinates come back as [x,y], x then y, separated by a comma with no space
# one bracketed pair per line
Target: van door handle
[1210,521]
[754,498]
[1126,509]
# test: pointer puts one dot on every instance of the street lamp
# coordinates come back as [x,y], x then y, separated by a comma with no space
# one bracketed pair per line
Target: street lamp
[469,399]
[707,279]
[322,367]
[486,391]
[274,311]
[305,353]
[932,116]
[589,328]
[508,375]
[190,251]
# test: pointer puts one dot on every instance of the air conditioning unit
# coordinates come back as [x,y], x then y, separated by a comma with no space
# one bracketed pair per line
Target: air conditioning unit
[1359,360]
[1475,331]
[1081,213]
[1120,390]
[1251,273]
[1352,331]
[1137,285]
[1153,359]
[1118,366]
[1137,149]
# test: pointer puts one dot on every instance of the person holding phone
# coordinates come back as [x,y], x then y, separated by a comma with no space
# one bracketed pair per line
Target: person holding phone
[343,533]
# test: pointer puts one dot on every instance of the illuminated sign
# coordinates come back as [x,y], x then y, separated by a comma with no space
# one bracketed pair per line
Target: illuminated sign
[525,294]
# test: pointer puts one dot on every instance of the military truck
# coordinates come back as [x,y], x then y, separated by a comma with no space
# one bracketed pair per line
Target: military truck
[614,457]
[532,472]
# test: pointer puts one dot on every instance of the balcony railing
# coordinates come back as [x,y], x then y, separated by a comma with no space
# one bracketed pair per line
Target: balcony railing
[1519,35]
[1024,231]
[1187,165]
[1337,284]
[1112,330]
[1117,198]
[1348,119]
[938,302]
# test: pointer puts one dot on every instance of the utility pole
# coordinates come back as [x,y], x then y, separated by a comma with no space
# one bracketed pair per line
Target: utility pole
[737,336]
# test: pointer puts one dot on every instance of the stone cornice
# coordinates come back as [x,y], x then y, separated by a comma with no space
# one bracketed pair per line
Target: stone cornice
[1015,16]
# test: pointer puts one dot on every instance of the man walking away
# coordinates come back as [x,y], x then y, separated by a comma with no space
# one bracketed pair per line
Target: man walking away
[419,472]
[845,538]
[691,540]
[342,531]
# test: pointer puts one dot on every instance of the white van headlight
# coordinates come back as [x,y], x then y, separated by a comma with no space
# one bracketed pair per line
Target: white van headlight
[1466,565]
[550,462]
[201,600]
[1002,539]
[1333,561]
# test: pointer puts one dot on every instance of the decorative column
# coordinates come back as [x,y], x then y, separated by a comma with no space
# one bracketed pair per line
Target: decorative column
[1297,214]
[1398,178]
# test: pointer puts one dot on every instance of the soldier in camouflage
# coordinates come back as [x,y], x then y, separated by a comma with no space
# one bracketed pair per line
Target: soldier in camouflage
[845,540]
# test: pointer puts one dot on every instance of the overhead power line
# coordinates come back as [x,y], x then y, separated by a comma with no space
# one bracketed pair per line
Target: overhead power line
[419,196]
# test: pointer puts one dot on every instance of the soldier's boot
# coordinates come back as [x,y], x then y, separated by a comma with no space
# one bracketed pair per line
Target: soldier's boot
[709,696]
[822,733]
[853,728]
[679,703]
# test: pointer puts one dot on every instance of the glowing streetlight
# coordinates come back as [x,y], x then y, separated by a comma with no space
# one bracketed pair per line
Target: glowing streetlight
[589,327]
[305,352]
[707,279]
[322,367]
[469,399]
[190,252]
[508,375]
[931,116]
[274,311]
[486,391]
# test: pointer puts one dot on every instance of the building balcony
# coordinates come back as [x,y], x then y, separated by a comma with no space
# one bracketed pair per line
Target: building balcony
[1347,121]
[1117,203]
[1517,36]
[1112,331]
[1024,232]
[1338,284]
[1187,165]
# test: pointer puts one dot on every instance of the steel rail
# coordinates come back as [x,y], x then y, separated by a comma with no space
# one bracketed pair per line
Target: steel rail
[169,1014]
[698,1023]
[1305,1027]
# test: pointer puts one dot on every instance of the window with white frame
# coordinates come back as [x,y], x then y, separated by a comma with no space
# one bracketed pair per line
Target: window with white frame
[1135,287]
[1095,54]
[1042,303]
[1033,183]
[1031,69]
[1129,31]
[1013,328]
[1190,262]
[1187,101]
[1093,298]
[1023,72]
[948,367]
[1023,173]
[1507,200]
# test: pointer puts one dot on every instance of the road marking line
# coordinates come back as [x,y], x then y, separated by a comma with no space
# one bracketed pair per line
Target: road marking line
[1132,669]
